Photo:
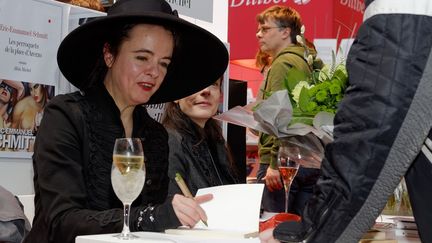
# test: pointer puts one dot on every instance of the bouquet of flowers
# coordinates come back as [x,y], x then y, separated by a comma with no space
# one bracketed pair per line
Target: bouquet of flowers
[303,112]
[320,92]
[312,98]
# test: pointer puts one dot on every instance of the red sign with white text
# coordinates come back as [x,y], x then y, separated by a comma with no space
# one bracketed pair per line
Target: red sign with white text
[348,16]
[322,19]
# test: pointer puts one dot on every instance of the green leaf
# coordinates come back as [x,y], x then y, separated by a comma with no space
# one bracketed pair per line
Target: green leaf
[293,77]
[341,75]
[308,120]
[304,99]
[315,76]
[302,117]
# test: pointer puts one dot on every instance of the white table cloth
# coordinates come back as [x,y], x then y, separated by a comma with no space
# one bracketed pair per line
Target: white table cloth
[150,237]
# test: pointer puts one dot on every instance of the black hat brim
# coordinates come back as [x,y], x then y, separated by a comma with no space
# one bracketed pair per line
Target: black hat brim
[200,58]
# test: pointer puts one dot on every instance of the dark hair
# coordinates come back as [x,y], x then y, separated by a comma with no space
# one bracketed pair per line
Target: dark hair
[115,38]
[284,17]
[174,118]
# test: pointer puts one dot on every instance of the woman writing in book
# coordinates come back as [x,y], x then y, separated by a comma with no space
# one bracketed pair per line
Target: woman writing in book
[140,53]
[198,151]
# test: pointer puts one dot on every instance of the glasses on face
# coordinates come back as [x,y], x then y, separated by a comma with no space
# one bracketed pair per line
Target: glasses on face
[6,87]
[265,29]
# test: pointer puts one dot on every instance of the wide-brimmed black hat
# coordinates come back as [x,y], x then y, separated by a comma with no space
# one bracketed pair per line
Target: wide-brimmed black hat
[200,57]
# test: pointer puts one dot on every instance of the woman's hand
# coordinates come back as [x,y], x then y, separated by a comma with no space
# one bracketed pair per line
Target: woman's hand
[267,236]
[188,210]
[272,179]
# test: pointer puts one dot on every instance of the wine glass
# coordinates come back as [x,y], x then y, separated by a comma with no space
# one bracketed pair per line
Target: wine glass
[288,163]
[127,176]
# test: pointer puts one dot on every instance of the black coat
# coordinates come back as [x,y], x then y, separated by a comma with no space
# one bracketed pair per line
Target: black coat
[72,167]
[195,162]
[380,127]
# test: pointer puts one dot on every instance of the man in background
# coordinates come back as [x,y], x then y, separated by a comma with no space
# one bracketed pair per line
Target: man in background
[278,27]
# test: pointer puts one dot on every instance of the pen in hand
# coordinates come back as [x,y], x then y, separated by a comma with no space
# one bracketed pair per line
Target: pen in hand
[185,190]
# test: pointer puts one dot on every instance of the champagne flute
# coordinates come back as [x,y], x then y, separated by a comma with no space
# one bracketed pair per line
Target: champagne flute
[127,176]
[288,164]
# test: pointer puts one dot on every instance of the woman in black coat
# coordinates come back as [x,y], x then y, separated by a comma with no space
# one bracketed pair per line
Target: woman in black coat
[198,151]
[138,54]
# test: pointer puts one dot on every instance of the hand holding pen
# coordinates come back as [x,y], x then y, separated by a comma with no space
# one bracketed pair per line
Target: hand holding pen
[191,207]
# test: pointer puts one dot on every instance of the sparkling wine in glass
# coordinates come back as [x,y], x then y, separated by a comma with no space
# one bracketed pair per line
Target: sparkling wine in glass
[127,176]
[288,163]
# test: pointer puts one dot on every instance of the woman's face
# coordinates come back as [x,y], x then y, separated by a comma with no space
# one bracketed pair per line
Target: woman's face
[5,93]
[201,106]
[36,92]
[140,66]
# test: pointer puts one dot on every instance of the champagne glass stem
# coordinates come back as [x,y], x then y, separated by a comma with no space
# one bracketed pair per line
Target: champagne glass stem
[126,231]
[287,191]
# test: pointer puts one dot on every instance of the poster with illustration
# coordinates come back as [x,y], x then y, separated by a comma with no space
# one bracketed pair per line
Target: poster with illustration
[21,110]
[28,70]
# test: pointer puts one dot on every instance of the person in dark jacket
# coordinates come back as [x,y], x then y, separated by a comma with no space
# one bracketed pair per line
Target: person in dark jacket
[140,53]
[382,130]
[197,148]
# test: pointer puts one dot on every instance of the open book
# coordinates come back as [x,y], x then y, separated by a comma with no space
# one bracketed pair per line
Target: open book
[233,212]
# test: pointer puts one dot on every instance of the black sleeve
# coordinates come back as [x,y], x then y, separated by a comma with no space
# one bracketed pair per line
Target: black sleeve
[176,163]
[59,180]
[60,183]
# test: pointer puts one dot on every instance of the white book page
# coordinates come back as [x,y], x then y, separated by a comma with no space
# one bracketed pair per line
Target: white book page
[234,211]
[233,207]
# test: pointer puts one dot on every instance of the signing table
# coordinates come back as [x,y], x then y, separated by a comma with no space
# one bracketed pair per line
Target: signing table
[392,235]
[150,237]
[239,217]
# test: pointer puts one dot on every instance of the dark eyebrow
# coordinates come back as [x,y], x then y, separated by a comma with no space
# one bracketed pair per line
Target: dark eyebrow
[151,53]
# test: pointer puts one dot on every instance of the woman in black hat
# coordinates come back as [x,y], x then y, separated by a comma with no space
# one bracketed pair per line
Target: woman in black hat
[140,53]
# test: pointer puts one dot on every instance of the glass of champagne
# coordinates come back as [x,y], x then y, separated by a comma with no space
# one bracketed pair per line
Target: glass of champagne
[288,163]
[127,176]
